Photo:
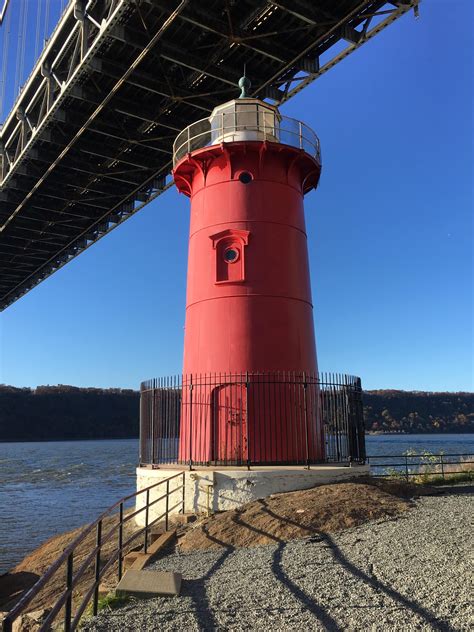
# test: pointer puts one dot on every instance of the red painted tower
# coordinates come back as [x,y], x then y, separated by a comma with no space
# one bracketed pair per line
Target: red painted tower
[248,307]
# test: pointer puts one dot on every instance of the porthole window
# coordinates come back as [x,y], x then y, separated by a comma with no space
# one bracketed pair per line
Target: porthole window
[231,255]
[245,177]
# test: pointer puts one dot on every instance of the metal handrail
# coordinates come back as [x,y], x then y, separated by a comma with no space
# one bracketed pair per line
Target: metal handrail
[65,599]
[285,130]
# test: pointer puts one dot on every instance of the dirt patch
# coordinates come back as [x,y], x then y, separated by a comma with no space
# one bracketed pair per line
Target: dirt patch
[299,514]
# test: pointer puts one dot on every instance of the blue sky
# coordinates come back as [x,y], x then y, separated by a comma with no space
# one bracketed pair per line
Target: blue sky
[389,230]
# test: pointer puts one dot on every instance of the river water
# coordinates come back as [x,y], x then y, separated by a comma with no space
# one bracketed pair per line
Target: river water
[51,487]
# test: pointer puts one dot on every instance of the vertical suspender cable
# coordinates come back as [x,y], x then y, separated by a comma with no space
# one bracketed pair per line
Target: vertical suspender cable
[6,41]
[23,46]
[38,30]
[46,21]
[18,54]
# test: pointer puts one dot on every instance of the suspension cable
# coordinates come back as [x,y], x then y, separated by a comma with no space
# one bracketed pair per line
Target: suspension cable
[6,42]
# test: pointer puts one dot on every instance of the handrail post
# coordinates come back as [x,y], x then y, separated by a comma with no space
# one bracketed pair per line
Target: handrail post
[406,467]
[7,625]
[68,605]
[97,568]
[167,503]
[442,465]
[120,542]
[147,506]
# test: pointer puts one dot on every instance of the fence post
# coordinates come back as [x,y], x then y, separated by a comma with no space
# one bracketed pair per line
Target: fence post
[305,403]
[153,429]
[147,505]
[442,465]
[191,422]
[97,568]
[120,542]
[247,418]
[184,490]
[68,604]
[406,467]
[167,503]
[360,422]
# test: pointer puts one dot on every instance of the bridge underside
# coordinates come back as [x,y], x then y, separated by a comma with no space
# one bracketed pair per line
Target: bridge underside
[89,140]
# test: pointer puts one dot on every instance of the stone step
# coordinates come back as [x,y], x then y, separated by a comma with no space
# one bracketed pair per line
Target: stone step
[145,584]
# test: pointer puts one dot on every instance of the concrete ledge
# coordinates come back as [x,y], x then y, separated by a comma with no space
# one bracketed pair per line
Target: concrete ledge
[218,489]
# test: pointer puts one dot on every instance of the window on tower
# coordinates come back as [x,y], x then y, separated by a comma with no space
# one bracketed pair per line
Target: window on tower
[231,254]
[229,246]
[245,177]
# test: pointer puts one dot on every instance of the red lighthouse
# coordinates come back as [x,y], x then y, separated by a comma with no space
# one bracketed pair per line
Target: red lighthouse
[246,170]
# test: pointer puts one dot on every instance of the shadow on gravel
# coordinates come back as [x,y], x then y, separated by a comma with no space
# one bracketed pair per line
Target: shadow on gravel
[455,490]
[371,580]
[324,617]
[308,602]
[196,589]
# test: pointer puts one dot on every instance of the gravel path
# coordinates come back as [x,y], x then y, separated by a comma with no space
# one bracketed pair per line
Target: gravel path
[408,573]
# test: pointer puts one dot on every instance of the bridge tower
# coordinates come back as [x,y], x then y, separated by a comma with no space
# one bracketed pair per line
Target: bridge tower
[246,170]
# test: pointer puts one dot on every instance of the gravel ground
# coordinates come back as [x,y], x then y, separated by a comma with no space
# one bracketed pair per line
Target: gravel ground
[408,573]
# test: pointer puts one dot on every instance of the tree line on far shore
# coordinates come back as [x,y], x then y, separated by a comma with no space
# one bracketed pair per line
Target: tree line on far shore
[418,411]
[68,412]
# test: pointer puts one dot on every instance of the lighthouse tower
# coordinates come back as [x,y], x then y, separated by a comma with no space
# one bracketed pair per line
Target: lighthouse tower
[246,170]
[250,415]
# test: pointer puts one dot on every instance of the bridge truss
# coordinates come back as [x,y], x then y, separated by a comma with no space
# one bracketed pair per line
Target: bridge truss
[89,139]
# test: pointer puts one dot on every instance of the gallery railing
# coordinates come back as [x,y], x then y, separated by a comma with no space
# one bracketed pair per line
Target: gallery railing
[252,419]
[256,123]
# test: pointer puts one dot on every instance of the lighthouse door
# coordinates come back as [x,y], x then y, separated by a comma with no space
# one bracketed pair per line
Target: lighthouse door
[229,411]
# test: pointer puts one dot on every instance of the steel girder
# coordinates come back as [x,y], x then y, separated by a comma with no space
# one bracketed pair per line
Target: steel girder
[88,141]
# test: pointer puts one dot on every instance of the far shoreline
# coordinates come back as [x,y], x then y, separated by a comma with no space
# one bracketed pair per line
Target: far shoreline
[368,433]
[68,440]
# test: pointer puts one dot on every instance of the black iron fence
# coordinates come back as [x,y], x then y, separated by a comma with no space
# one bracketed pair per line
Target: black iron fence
[250,419]
[422,466]
[114,526]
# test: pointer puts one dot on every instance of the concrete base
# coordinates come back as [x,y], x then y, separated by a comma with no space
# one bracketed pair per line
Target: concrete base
[218,489]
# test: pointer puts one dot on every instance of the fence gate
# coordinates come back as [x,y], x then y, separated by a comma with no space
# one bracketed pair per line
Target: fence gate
[229,409]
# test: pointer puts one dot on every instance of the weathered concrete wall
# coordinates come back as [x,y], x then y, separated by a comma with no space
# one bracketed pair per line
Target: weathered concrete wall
[209,489]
